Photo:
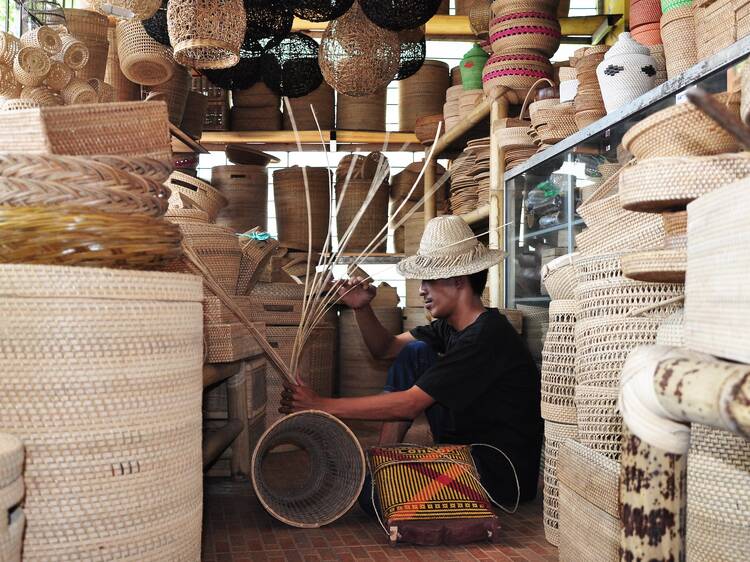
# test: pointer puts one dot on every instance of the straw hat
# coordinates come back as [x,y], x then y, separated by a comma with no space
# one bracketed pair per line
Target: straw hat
[448,249]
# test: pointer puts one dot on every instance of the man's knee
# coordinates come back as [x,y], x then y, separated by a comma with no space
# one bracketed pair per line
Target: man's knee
[415,350]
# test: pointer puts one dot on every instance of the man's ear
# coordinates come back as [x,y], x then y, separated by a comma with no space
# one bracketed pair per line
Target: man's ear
[461,281]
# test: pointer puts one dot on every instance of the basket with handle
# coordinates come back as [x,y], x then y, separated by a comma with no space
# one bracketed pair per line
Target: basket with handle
[246,191]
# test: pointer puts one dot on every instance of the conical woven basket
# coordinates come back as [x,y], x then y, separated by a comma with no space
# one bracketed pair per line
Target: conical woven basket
[109,410]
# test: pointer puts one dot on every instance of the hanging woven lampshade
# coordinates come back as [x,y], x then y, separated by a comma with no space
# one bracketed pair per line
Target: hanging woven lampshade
[400,14]
[243,74]
[156,26]
[413,52]
[291,68]
[319,10]
[267,18]
[126,9]
[206,33]
[356,56]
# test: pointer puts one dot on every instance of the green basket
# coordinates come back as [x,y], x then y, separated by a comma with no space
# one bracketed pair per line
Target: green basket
[667,5]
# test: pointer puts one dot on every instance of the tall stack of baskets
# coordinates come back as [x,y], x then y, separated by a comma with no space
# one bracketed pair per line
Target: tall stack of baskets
[644,21]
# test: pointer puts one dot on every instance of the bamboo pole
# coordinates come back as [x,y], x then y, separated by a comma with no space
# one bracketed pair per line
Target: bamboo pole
[430,201]
[237,409]
[498,110]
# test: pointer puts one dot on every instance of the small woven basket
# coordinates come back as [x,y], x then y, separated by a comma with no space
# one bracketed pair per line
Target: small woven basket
[86,24]
[554,435]
[174,92]
[31,66]
[558,361]
[74,53]
[59,75]
[105,92]
[43,37]
[78,91]
[199,194]
[142,60]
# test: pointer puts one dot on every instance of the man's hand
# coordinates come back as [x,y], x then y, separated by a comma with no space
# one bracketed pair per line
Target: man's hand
[356,292]
[299,397]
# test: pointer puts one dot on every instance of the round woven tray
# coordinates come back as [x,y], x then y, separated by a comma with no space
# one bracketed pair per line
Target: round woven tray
[558,360]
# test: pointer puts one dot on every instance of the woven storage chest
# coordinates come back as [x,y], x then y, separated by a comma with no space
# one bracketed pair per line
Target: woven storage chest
[109,409]
[588,503]
[422,93]
[246,190]
[366,113]
[372,223]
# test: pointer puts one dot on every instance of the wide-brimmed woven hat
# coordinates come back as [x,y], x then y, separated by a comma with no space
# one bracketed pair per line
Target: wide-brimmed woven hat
[448,249]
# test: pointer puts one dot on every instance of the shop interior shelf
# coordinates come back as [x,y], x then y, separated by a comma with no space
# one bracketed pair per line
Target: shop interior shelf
[549,230]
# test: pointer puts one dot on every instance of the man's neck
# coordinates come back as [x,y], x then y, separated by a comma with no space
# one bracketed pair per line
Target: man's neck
[464,316]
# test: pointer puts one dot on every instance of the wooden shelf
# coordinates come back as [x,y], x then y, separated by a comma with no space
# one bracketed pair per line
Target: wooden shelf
[476,125]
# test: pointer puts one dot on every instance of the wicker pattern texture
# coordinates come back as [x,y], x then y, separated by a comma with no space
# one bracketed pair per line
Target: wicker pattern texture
[288,187]
[559,277]
[291,68]
[599,419]
[554,435]
[188,191]
[558,363]
[113,465]
[142,60]
[375,218]
[11,492]
[246,191]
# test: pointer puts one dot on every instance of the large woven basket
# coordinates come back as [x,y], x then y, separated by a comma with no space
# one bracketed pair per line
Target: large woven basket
[599,419]
[174,92]
[366,113]
[328,484]
[124,89]
[142,59]
[588,504]
[322,102]
[554,435]
[678,34]
[423,93]
[11,493]
[718,496]
[558,363]
[291,207]
[114,451]
[374,219]
[276,304]
[142,130]
[197,193]
[513,74]
[533,30]
[246,191]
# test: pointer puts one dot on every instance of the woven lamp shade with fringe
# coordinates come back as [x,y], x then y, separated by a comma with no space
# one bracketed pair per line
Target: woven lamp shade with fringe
[291,208]
[142,60]
[319,10]
[174,92]
[413,51]
[356,56]
[371,222]
[322,101]
[206,33]
[243,74]
[366,113]
[398,15]
[124,89]
[121,464]
[290,68]
[246,190]
[422,93]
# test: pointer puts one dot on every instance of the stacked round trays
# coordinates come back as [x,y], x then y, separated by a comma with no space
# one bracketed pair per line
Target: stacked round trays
[12,518]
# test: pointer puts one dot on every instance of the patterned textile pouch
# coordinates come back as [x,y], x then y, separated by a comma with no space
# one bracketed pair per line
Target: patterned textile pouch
[431,495]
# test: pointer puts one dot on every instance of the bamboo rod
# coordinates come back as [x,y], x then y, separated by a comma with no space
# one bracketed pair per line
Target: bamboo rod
[237,409]
[498,110]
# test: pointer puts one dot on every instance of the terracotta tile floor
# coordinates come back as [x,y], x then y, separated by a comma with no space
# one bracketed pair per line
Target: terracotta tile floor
[237,529]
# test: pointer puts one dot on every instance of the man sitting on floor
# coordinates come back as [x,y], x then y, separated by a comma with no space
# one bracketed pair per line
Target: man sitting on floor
[469,371]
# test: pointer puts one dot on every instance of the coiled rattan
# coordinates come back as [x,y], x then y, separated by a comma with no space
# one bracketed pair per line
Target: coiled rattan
[558,363]
[554,435]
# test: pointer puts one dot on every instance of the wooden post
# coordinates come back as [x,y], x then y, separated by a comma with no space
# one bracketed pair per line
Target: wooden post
[430,201]
[237,409]
[498,110]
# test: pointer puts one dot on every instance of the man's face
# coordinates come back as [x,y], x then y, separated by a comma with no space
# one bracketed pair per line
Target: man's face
[440,296]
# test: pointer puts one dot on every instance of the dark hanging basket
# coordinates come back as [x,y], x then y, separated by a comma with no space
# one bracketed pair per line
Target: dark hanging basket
[413,52]
[243,74]
[398,15]
[267,19]
[291,68]
[319,10]
[156,26]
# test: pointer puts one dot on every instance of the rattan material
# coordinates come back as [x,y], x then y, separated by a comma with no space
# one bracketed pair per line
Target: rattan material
[423,93]
[513,74]
[400,14]
[664,266]
[554,435]
[206,33]
[322,101]
[374,219]
[153,169]
[9,47]
[682,130]
[124,89]
[105,92]
[79,91]
[246,191]
[86,24]
[257,95]
[718,496]
[533,30]
[671,330]
[255,256]
[589,518]
[174,92]
[194,114]
[628,231]
[291,209]
[479,19]
[224,343]
[126,9]
[599,419]
[335,457]
[678,34]
[291,68]
[559,277]
[96,66]
[199,193]
[362,114]
[31,66]
[114,453]
[58,76]
[19,104]
[662,184]
[11,460]
[558,360]
[43,37]
[715,27]
[42,95]
[356,56]
[9,87]
[142,60]
[319,10]
[74,53]
[278,304]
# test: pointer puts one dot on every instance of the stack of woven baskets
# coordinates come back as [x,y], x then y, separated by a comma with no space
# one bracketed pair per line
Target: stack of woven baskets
[551,122]
[718,24]
[644,21]
[523,34]
[255,109]
[423,93]
[679,37]
[11,494]
[451,108]
[512,136]
[588,102]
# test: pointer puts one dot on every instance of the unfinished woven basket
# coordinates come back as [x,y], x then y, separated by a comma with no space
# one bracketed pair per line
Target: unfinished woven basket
[558,363]
[335,457]
[142,60]
[206,33]
[114,453]
[554,435]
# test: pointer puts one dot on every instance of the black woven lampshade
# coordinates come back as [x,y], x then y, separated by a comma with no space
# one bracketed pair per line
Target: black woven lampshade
[291,68]
[243,74]
[156,26]
[267,19]
[413,52]
[319,10]
[398,15]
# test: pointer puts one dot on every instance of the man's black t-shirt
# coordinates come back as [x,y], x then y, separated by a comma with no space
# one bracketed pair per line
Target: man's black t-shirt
[490,387]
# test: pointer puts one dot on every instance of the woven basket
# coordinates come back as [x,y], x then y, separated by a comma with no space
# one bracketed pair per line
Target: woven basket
[31,66]
[662,184]
[86,24]
[671,330]
[291,208]
[514,74]
[322,102]
[643,12]
[678,34]
[254,119]
[206,33]
[199,193]
[174,92]
[255,256]
[74,53]
[682,130]
[715,27]
[114,453]
[479,19]
[718,495]
[589,510]
[44,38]
[246,191]
[423,93]
[275,304]
[599,419]
[371,223]
[9,87]
[554,435]
[532,30]
[334,456]
[9,47]
[366,113]
[629,231]
[558,360]
[559,277]
[96,66]
[225,343]
[79,91]
[42,95]
[317,364]
[257,95]
[19,104]
[124,89]
[194,114]
[142,59]
[104,91]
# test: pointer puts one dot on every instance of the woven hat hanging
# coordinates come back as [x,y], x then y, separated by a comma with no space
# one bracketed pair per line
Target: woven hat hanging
[413,52]
[356,56]
[206,33]
[291,68]
[400,14]
[267,19]
[319,10]
[156,26]
[243,74]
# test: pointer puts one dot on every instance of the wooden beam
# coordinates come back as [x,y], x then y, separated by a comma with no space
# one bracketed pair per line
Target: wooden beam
[218,372]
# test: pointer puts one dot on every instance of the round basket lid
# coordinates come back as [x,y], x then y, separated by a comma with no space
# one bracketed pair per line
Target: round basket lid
[243,74]
[400,14]
[247,155]
[291,68]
